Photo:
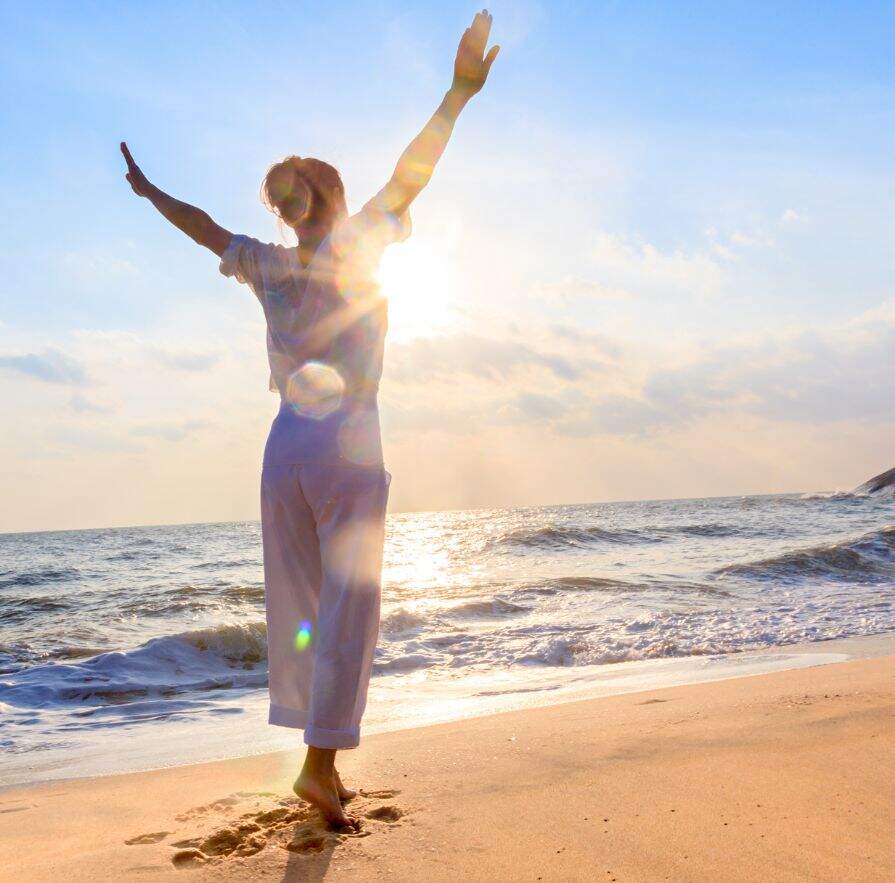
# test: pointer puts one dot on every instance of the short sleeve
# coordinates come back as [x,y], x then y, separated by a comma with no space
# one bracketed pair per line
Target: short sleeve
[391,227]
[373,228]
[258,264]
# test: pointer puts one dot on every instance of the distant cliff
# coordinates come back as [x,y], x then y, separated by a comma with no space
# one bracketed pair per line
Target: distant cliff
[885,481]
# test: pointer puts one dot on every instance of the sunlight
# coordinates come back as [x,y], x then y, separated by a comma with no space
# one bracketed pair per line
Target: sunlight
[419,285]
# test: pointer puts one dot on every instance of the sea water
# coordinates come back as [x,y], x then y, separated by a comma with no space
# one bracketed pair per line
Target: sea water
[138,647]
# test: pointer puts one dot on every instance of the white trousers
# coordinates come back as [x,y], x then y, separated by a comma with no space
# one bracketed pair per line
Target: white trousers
[323,529]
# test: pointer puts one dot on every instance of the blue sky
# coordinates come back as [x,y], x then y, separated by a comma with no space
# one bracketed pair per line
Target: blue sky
[696,197]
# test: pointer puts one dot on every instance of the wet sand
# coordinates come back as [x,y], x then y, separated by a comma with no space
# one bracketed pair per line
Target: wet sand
[783,776]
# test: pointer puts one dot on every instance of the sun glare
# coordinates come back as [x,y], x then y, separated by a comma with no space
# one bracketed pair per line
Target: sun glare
[419,286]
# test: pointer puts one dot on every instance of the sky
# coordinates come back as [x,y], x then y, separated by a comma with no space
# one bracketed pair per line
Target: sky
[655,261]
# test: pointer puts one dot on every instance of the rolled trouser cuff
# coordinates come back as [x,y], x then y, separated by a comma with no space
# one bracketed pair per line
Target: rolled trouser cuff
[281,716]
[297,719]
[320,738]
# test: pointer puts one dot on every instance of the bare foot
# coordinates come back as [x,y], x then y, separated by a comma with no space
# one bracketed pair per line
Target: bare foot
[322,794]
[345,794]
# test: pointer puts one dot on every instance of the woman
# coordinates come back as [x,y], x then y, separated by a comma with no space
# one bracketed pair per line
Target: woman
[324,488]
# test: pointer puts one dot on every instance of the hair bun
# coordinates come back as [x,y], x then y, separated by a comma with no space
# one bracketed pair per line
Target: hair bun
[322,178]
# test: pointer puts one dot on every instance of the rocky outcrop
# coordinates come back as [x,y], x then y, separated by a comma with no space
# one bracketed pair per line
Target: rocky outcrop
[885,481]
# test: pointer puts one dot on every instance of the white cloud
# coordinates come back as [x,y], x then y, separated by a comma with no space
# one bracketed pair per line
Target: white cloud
[50,366]
[80,404]
[574,287]
[90,268]
[644,269]
[841,372]
[598,345]
[423,359]
[126,347]
[97,440]
[169,431]
[185,360]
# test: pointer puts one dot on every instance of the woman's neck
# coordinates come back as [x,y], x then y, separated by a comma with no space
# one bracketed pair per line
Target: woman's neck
[309,239]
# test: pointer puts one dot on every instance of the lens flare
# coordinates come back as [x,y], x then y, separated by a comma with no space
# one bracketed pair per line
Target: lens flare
[315,390]
[303,637]
[359,439]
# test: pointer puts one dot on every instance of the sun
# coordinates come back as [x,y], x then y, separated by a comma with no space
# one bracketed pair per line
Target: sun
[419,285]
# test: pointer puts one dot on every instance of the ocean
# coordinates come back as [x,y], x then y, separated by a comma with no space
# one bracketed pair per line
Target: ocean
[133,648]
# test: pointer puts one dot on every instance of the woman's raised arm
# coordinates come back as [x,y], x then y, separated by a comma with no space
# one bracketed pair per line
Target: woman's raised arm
[193,221]
[418,161]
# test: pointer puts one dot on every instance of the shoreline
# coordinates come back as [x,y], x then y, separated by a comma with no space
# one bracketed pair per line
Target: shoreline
[151,748]
[775,776]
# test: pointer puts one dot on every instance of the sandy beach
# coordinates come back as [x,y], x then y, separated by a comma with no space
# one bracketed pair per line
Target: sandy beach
[784,776]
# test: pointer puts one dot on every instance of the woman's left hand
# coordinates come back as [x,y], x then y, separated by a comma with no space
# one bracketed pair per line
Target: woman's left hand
[471,66]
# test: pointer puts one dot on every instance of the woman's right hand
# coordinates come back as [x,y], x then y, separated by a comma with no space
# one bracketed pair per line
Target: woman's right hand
[135,177]
[191,220]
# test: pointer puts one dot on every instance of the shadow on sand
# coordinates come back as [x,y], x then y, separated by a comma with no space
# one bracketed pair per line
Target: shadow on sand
[309,867]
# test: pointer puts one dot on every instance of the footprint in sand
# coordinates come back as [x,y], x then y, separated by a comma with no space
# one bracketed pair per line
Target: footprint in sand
[188,858]
[313,836]
[385,814]
[289,823]
[221,805]
[142,839]
[246,837]
[310,841]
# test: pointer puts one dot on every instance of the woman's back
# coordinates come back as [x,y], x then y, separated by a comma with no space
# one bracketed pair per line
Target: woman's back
[326,326]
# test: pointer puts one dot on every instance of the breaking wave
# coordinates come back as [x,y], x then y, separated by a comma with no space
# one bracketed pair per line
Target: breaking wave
[11,579]
[223,657]
[868,558]
[555,537]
